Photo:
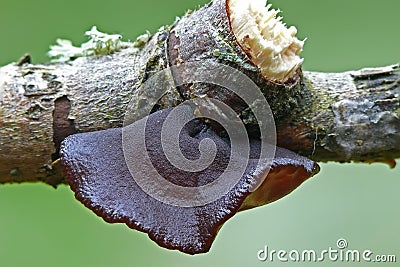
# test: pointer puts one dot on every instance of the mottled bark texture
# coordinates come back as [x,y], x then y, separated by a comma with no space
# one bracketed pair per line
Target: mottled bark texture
[351,116]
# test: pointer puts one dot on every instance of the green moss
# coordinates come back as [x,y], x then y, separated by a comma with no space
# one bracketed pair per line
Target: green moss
[142,40]
[227,56]
[217,53]
[397,112]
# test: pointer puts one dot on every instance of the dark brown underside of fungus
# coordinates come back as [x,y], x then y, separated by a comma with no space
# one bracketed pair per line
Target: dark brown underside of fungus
[97,172]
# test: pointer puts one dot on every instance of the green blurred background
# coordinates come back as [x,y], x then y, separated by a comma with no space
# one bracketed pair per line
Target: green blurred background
[40,226]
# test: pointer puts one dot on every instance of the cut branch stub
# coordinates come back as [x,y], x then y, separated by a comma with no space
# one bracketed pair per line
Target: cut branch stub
[272,47]
[97,172]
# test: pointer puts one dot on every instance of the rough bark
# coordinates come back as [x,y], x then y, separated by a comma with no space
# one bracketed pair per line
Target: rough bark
[351,116]
[79,95]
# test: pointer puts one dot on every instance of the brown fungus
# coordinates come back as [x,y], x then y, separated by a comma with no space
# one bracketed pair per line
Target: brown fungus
[97,172]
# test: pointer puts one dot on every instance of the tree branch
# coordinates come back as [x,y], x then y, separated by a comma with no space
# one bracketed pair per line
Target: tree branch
[351,116]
